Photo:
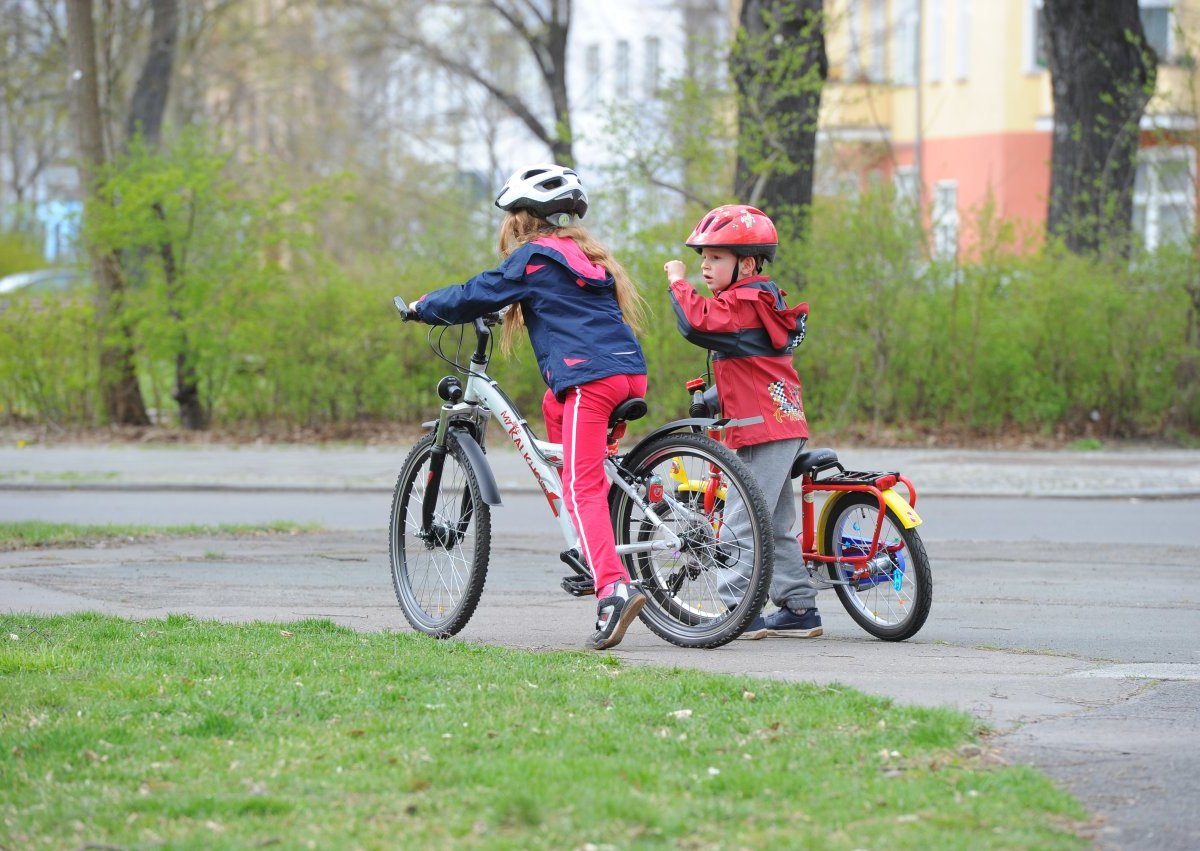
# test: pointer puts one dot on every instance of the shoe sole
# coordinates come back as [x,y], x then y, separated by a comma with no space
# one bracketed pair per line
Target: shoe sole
[754,635]
[796,633]
[632,607]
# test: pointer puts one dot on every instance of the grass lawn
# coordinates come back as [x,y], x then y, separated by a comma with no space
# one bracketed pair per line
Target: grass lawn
[36,533]
[184,733]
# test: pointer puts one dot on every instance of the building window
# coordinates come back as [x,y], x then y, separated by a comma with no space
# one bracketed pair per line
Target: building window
[650,67]
[1164,196]
[854,67]
[904,43]
[591,69]
[878,43]
[622,69]
[945,220]
[937,36]
[962,43]
[1036,58]
[1157,23]
[904,182]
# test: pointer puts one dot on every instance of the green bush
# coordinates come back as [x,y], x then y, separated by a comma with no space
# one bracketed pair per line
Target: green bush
[287,321]
[18,253]
[49,365]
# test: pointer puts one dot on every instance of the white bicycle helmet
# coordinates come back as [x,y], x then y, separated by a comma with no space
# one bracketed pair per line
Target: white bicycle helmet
[544,190]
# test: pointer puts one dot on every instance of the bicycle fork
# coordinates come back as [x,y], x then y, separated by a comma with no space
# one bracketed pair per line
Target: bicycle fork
[433,533]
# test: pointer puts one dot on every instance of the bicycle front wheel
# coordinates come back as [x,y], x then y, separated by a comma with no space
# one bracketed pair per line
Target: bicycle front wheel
[438,572]
[889,596]
[704,558]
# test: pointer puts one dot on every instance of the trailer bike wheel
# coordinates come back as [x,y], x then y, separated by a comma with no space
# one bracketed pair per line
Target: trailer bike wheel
[439,573]
[706,590]
[890,595]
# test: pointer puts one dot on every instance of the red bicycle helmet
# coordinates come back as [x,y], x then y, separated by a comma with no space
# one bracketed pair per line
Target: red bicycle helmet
[746,231]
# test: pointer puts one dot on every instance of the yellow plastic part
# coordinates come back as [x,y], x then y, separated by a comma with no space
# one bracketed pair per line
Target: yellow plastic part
[905,513]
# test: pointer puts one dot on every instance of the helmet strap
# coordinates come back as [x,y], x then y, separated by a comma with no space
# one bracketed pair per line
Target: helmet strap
[737,268]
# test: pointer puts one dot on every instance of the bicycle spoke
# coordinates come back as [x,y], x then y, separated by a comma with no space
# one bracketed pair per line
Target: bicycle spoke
[890,595]
[716,569]
[439,571]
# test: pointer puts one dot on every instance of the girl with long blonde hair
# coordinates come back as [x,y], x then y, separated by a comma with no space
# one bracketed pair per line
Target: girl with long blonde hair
[581,311]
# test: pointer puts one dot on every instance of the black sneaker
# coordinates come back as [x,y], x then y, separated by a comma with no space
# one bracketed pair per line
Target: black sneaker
[785,623]
[614,614]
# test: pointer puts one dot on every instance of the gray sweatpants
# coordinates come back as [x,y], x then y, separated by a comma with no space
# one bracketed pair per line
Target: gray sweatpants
[770,464]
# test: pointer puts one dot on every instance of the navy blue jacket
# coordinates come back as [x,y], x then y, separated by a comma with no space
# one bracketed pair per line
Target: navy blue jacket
[570,308]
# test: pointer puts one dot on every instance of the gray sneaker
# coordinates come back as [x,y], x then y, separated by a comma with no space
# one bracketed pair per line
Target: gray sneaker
[614,614]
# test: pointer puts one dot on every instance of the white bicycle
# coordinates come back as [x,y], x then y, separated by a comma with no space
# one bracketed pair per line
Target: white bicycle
[702,554]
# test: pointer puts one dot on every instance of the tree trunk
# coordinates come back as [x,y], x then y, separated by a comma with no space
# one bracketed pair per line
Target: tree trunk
[149,102]
[122,396]
[146,111]
[1102,75]
[192,413]
[554,73]
[779,66]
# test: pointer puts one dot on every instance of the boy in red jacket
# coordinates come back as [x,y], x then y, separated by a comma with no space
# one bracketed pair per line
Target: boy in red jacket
[751,333]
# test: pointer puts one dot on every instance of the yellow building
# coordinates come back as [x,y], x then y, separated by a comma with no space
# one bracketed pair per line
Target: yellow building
[953,97]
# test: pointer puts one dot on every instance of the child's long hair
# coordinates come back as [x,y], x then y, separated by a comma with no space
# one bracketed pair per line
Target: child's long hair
[521,226]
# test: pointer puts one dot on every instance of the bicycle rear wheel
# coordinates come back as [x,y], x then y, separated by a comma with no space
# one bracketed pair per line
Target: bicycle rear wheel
[438,573]
[704,592]
[891,595]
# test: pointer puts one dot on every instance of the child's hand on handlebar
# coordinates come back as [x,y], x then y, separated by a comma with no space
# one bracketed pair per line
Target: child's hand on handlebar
[675,270]
[407,311]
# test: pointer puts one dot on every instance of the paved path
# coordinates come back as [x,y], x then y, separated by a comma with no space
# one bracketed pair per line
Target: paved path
[1124,736]
[1141,473]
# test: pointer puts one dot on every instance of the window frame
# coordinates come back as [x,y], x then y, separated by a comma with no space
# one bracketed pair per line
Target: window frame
[622,78]
[944,221]
[1033,28]
[1151,196]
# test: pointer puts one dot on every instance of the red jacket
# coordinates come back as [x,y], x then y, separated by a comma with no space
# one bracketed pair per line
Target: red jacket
[751,332]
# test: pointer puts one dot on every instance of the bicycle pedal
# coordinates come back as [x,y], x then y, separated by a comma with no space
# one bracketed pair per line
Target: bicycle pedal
[578,586]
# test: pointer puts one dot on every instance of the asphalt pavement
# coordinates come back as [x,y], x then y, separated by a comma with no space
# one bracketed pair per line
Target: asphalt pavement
[1117,473]
[1124,735]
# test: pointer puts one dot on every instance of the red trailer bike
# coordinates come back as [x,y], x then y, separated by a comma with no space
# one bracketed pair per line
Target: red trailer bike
[863,543]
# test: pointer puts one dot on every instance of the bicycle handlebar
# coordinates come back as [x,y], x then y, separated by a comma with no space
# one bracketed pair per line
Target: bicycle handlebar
[482,324]
[402,306]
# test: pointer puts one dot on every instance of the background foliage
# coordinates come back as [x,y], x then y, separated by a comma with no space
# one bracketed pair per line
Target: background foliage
[289,329]
[262,240]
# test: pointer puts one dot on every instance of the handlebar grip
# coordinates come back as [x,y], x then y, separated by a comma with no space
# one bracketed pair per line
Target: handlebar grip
[402,307]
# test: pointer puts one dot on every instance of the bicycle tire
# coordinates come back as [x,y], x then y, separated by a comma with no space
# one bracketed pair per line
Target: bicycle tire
[893,601]
[690,601]
[438,583]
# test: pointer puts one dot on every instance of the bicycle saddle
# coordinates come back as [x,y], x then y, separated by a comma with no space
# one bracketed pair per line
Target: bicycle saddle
[627,411]
[814,461]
